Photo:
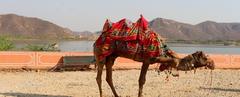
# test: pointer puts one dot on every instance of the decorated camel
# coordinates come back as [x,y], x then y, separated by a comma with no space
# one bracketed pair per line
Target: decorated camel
[134,41]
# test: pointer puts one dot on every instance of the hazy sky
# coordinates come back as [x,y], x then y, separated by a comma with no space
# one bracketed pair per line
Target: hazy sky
[80,15]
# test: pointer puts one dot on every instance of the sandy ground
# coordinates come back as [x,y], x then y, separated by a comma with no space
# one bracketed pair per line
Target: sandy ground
[225,83]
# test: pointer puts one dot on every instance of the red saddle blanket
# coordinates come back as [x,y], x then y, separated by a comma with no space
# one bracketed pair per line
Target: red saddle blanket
[130,38]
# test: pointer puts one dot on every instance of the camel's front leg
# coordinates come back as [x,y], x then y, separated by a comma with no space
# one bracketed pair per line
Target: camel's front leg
[99,77]
[109,64]
[142,78]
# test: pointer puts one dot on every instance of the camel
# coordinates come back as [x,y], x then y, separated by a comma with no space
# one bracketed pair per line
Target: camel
[134,41]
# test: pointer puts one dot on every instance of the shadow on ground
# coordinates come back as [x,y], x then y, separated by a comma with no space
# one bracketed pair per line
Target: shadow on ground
[221,89]
[30,95]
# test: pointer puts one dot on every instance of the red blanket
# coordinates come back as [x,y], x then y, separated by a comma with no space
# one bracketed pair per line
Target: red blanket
[128,37]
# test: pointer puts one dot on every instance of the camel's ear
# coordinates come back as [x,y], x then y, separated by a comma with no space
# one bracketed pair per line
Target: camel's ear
[201,53]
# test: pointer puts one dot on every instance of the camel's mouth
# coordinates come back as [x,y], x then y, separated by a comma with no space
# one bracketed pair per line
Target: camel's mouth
[211,66]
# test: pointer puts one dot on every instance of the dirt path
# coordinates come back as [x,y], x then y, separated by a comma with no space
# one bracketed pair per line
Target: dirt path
[226,83]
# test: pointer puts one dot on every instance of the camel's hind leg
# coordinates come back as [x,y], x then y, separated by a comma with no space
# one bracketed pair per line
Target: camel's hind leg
[109,63]
[99,76]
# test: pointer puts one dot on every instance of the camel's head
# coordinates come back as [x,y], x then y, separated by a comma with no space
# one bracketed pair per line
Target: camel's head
[194,61]
[203,60]
[210,64]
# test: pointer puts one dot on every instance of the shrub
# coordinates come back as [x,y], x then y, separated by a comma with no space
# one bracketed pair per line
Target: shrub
[35,47]
[48,47]
[5,44]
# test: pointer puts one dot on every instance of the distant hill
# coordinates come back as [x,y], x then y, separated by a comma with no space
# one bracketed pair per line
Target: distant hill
[27,27]
[207,30]
[22,27]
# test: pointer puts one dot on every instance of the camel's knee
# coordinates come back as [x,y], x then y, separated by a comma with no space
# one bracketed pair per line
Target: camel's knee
[108,79]
[99,76]
[98,79]
[142,81]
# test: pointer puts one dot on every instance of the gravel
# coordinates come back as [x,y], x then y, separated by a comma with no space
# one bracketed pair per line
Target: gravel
[225,83]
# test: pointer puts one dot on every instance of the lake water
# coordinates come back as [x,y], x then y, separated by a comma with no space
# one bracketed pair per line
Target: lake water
[87,46]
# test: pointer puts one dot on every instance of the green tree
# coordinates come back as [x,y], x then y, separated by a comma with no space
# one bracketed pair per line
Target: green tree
[5,44]
[46,47]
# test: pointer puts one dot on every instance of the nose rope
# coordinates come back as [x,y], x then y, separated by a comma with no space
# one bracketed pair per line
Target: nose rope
[211,78]
[211,74]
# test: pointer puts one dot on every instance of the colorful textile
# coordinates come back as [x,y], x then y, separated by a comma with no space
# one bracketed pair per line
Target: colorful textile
[132,38]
